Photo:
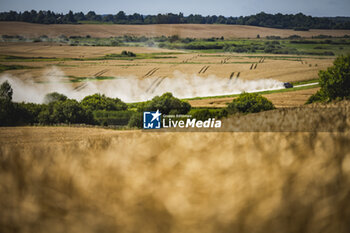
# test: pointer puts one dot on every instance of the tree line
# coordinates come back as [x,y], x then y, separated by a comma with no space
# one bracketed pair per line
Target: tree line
[99,109]
[286,21]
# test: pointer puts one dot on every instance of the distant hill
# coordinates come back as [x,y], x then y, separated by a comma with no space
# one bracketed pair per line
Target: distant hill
[299,22]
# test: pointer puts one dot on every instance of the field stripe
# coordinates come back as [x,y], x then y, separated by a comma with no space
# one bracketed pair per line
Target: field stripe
[154,81]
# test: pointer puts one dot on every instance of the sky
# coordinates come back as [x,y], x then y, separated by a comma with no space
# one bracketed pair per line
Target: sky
[203,7]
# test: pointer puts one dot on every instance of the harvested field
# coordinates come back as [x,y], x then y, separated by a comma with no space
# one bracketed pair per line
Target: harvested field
[282,67]
[280,100]
[183,30]
[131,80]
[45,49]
[84,70]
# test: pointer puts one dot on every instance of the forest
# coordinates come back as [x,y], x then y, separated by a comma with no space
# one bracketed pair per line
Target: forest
[285,21]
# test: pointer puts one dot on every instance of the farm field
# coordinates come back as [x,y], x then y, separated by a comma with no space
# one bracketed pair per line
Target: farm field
[183,30]
[279,67]
[79,63]
[63,167]
[75,172]
[280,100]
[76,66]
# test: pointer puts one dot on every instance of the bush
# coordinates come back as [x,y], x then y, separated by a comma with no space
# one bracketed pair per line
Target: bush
[53,97]
[125,53]
[334,82]
[319,96]
[205,114]
[101,102]
[69,111]
[165,104]
[294,37]
[301,29]
[112,117]
[7,113]
[18,114]
[250,103]
[31,112]
[136,120]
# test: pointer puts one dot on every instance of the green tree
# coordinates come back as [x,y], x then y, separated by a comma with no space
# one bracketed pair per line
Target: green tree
[7,112]
[44,117]
[250,103]
[53,97]
[30,112]
[15,113]
[136,120]
[101,102]
[67,111]
[6,91]
[166,104]
[334,82]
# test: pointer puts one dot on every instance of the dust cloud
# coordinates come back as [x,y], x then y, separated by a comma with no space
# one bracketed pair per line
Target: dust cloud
[132,88]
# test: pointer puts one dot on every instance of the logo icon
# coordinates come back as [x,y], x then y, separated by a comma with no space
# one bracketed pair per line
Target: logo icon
[151,120]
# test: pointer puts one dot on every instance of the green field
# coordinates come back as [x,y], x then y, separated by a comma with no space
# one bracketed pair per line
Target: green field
[320,45]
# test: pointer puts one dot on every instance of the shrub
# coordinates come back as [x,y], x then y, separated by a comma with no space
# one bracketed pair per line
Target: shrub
[101,102]
[53,97]
[204,114]
[301,29]
[30,112]
[173,38]
[69,111]
[112,117]
[136,120]
[294,37]
[273,37]
[18,114]
[166,103]
[125,53]
[250,103]
[319,96]
[7,112]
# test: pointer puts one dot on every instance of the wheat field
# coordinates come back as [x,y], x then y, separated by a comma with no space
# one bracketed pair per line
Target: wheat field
[63,179]
[183,30]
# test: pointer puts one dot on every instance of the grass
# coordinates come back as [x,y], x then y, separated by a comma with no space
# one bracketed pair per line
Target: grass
[307,81]
[13,67]
[311,46]
[112,56]
[93,22]
[261,92]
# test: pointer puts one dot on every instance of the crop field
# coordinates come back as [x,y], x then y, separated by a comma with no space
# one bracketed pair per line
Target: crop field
[280,99]
[279,67]
[80,60]
[90,69]
[183,30]
[282,170]
[83,179]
